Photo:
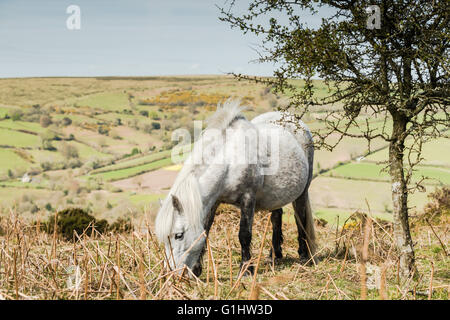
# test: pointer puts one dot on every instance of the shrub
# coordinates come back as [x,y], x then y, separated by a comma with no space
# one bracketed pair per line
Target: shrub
[45,121]
[103,130]
[47,145]
[147,128]
[16,115]
[66,121]
[34,208]
[438,208]
[134,152]
[156,125]
[121,225]
[68,151]
[75,163]
[74,219]
[144,113]
[154,115]
[46,165]
[46,138]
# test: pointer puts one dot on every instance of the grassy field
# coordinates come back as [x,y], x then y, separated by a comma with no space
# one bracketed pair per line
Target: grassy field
[370,171]
[98,143]
[435,153]
[131,265]
[132,171]
[18,139]
[10,160]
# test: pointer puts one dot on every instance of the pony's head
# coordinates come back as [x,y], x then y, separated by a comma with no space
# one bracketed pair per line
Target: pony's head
[180,227]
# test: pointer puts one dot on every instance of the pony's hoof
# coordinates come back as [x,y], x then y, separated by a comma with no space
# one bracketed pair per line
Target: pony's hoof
[276,260]
[248,271]
[307,260]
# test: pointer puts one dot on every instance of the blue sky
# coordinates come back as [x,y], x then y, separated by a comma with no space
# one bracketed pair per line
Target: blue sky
[122,37]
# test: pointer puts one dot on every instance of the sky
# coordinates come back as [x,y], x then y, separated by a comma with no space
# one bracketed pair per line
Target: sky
[123,38]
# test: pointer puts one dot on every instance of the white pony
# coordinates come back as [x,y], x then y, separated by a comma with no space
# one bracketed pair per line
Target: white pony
[254,165]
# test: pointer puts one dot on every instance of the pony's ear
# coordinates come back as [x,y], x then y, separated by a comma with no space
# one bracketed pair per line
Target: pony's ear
[177,204]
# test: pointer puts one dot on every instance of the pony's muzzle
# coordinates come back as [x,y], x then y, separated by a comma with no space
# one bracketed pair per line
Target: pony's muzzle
[197,269]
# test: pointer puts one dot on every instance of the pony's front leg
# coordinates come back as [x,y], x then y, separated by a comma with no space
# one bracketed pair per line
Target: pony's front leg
[245,229]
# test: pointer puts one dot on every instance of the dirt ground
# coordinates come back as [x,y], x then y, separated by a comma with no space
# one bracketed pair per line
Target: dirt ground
[157,181]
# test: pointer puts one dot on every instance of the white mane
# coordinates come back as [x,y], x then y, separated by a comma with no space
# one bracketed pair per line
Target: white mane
[225,114]
[188,192]
[186,186]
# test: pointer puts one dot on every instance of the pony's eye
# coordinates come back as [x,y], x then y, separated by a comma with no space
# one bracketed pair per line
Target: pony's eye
[179,236]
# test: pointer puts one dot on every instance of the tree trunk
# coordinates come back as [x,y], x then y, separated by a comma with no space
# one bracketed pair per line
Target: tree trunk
[402,234]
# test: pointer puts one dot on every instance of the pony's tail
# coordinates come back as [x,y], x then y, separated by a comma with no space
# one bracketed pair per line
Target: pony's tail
[309,228]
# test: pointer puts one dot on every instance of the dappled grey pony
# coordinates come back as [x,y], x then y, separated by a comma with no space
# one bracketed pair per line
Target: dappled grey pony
[254,165]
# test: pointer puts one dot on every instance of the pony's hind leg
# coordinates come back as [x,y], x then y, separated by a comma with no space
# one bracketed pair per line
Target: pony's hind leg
[245,229]
[305,227]
[277,234]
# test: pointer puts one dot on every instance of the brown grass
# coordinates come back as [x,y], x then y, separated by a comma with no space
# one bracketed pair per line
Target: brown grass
[36,265]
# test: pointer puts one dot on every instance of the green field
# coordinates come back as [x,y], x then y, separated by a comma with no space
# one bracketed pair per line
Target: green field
[435,153]
[18,139]
[371,171]
[22,125]
[135,162]
[133,171]
[9,160]
[333,216]
[110,101]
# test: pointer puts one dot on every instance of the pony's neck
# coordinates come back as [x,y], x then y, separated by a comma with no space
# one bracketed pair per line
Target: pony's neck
[211,183]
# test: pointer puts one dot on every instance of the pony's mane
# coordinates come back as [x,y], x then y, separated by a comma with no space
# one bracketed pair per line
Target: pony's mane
[225,115]
[186,186]
[188,192]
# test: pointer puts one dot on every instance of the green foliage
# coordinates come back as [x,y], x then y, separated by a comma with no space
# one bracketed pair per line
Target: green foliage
[134,152]
[77,220]
[74,219]
[154,115]
[156,125]
[46,138]
[47,145]
[45,121]
[66,121]
[68,151]
[103,130]
[16,115]
[121,225]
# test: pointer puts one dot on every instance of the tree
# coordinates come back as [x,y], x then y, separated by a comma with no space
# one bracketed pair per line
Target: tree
[66,121]
[45,121]
[378,58]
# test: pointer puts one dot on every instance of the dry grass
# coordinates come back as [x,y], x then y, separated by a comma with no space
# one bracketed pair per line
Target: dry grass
[36,265]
